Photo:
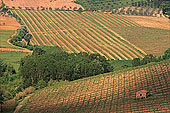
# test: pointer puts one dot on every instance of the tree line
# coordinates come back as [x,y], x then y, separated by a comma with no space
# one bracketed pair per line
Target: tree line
[151,58]
[22,34]
[61,66]
[163,4]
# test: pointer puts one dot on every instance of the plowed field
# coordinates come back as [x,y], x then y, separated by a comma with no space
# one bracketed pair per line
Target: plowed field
[107,93]
[75,32]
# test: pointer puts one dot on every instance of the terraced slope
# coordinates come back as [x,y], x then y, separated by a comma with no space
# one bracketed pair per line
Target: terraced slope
[107,93]
[86,32]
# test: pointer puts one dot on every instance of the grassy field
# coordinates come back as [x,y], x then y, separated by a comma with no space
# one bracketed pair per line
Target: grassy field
[4,36]
[151,40]
[114,92]
[12,58]
[75,32]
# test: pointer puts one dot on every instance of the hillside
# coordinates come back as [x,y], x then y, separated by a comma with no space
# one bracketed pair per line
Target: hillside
[131,10]
[75,32]
[8,52]
[52,52]
[7,23]
[105,4]
[41,4]
[107,93]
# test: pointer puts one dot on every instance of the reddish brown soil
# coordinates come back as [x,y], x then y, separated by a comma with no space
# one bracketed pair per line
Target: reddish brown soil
[65,4]
[8,23]
[154,22]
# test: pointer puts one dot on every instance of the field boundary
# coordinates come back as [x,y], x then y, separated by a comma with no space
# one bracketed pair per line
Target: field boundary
[20,49]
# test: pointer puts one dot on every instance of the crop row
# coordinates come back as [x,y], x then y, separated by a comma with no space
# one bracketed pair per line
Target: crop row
[76,32]
[111,93]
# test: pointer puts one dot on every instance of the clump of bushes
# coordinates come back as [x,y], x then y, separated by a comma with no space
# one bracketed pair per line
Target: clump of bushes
[6,69]
[151,58]
[10,105]
[22,34]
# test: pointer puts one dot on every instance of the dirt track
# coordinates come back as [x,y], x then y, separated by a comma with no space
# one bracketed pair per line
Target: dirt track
[17,50]
[154,22]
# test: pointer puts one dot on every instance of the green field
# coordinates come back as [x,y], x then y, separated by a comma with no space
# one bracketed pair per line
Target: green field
[152,40]
[12,58]
[4,36]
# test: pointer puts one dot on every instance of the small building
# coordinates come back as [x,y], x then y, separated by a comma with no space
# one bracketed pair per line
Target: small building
[142,94]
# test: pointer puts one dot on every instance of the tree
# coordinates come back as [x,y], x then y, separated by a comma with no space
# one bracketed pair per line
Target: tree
[24,28]
[1,98]
[1,68]
[147,59]
[80,10]
[166,54]
[165,5]
[38,51]
[61,66]
[27,38]
[21,33]
[136,62]
[6,69]
[41,84]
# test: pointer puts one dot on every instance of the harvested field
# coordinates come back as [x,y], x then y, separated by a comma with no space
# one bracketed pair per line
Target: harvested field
[152,40]
[154,22]
[8,23]
[75,32]
[42,4]
[107,93]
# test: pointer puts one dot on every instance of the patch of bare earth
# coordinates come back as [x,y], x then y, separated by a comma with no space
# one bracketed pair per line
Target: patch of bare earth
[154,22]
[38,4]
[8,23]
